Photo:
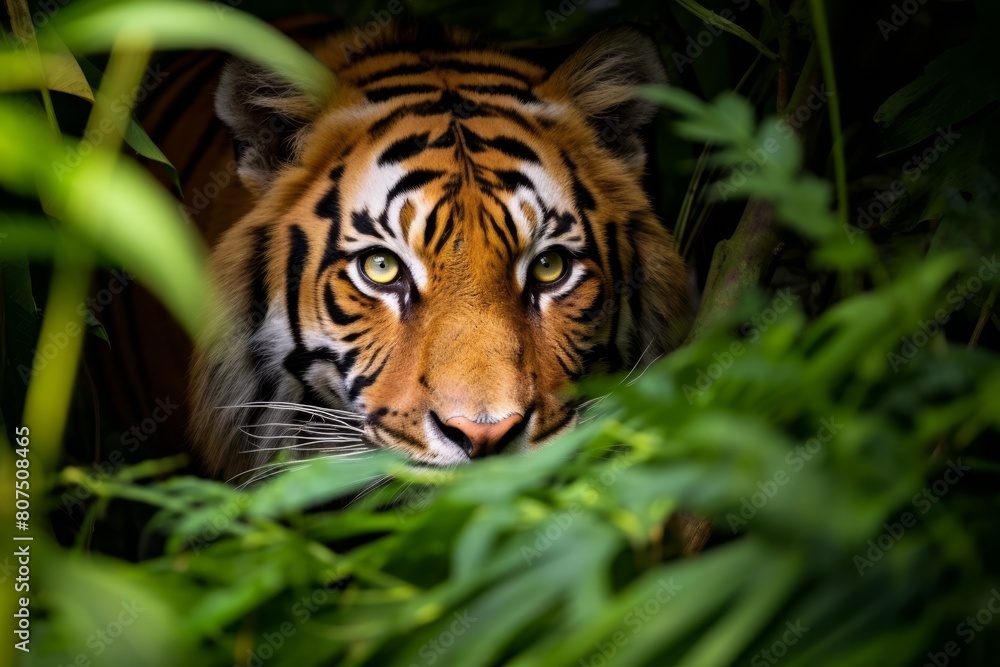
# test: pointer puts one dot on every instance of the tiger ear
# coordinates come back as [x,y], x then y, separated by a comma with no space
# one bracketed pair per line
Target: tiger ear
[600,79]
[265,115]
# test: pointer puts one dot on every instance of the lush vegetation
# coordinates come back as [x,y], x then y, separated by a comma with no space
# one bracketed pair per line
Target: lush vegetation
[834,412]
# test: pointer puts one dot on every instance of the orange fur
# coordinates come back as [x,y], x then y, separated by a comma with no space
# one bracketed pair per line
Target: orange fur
[467,335]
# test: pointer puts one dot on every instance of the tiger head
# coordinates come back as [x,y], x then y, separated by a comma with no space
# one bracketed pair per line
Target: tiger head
[435,253]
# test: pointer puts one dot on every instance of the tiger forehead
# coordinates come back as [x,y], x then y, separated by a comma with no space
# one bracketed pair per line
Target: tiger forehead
[449,146]
[456,68]
[430,181]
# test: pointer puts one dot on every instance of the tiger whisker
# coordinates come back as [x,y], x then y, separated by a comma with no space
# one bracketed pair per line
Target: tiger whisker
[306,426]
[589,405]
[329,437]
[272,467]
[381,480]
[648,366]
[334,452]
[637,362]
[328,413]
[346,448]
[287,405]
[269,473]
[401,492]
[586,405]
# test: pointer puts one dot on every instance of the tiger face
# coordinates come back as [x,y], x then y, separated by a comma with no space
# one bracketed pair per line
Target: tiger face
[435,254]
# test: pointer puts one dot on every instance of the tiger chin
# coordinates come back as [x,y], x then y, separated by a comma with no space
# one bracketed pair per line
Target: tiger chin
[433,255]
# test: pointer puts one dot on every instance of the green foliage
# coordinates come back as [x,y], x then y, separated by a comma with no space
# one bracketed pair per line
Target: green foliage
[551,554]
[765,163]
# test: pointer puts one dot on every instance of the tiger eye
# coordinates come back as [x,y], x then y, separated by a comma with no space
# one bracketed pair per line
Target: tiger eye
[548,267]
[381,267]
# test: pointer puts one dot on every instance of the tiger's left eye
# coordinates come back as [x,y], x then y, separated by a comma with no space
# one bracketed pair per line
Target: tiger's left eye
[381,266]
[548,267]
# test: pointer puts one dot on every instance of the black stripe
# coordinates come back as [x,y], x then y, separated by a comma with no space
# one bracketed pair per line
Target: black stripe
[206,139]
[561,424]
[364,224]
[430,226]
[614,261]
[566,222]
[362,381]
[351,337]
[512,115]
[412,181]
[581,195]
[399,435]
[473,142]
[567,353]
[403,149]
[345,362]
[509,222]
[329,207]
[338,316]
[297,257]
[299,360]
[513,147]
[571,374]
[512,179]
[474,68]
[382,125]
[389,92]
[585,275]
[449,227]
[578,351]
[590,249]
[499,232]
[256,268]
[590,313]
[448,103]
[596,354]
[383,220]
[182,102]
[398,70]
[523,95]
[446,140]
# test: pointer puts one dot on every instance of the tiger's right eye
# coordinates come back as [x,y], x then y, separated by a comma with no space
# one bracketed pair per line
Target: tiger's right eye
[380,266]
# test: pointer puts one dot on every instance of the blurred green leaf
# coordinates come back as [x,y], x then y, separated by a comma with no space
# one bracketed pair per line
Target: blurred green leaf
[174,24]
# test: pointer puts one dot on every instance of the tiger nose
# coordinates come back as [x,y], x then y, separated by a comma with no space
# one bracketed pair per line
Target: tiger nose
[479,439]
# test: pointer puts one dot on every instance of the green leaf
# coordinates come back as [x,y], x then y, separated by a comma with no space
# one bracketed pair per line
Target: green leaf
[114,206]
[135,135]
[711,18]
[318,481]
[21,324]
[953,87]
[180,24]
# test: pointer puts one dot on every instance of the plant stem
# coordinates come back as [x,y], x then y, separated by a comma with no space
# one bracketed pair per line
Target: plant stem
[54,377]
[984,317]
[738,264]
[830,78]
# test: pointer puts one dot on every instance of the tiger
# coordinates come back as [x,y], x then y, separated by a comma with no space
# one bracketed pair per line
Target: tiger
[433,255]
